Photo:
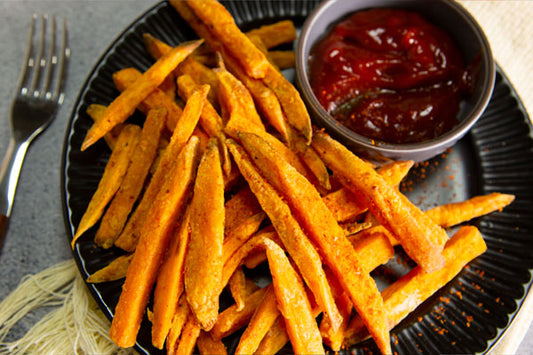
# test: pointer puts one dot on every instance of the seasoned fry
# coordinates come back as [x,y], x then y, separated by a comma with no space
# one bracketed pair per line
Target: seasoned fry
[144,154]
[421,238]
[345,206]
[178,322]
[291,102]
[274,34]
[127,77]
[240,234]
[403,296]
[189,335]
[283,59]
[237,287]
[239,208]
[237,99]
[114,172]
[153,242]
[204,261]
[209,346]
[294,239]
[231,319]
[220,21]
[186,125]
[262,320]
[126,103]
[293,302]
[455,213]
[321,226]
[96,112]
[312,161]
[115,270]
[169,286]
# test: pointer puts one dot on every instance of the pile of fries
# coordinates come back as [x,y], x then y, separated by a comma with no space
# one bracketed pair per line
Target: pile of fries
[226,173]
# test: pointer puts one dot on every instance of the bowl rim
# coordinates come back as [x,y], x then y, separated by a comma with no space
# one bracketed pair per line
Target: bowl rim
[388,149]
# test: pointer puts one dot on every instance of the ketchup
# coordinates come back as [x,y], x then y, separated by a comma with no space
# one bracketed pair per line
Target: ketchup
[389,75]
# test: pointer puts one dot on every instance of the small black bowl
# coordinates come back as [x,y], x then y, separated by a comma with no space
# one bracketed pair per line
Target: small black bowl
[446,14]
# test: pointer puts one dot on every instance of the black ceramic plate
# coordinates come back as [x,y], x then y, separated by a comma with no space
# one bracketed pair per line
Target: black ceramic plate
[472,312]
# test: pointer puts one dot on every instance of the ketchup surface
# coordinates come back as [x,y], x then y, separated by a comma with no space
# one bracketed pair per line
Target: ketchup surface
[389,75]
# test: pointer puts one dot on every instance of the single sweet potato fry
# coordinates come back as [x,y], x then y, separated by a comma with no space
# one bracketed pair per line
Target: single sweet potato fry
[327,235]
[154,240]
[422,239]
[144,154]
[221,23]
[125,78]
[185,128]
[293,302]
[96,112]
[169,285]
[274,34]
[115,270]
[204,260]
[231,319]
[262,320]
[209,346]
[114,172]
[454,213]
[125,104]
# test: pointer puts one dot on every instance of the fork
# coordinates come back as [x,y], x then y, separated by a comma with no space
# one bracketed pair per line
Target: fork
[37,98]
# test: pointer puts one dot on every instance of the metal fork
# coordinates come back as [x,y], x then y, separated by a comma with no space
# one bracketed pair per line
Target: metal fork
[37,98]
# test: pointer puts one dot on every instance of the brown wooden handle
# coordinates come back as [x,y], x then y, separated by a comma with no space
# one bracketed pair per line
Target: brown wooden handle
[4,221]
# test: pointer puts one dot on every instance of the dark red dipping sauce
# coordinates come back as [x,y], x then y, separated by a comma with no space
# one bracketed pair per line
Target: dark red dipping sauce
[389,75]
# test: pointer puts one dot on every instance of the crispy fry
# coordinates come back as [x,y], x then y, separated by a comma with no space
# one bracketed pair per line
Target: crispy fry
[126,103]
[231,319]
[262,320]
[237,287]
[189,335]
[421,238]
[169,286]
[223,26]
[204,261]
[115,270]
[96,112]
[114,172]
[267,102]
[415,287]
[209,346]
[186,125]
[153,242]
[283,59]
[239,208]
[274,34]
[293,302]
[291,102]
[455,213]
[240,234]
[294,239]
[117,213]
[321,226]
[237,99]
[178,322]
[345,206]
[125,78]
[202,75]
[312,160]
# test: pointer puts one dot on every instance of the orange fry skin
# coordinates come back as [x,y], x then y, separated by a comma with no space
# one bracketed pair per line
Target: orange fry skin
[125,104]
[422,239]
[204,260]
[154,240]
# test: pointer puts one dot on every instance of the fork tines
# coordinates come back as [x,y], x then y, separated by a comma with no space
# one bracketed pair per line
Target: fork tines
[45,65]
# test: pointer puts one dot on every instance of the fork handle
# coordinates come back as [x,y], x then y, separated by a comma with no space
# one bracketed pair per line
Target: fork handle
[9,174]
